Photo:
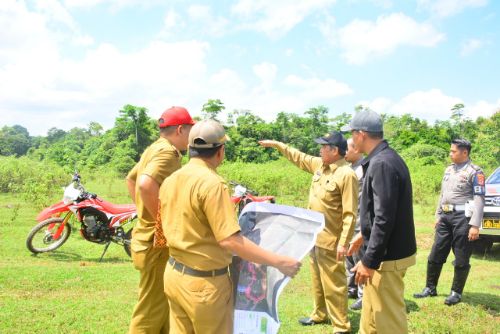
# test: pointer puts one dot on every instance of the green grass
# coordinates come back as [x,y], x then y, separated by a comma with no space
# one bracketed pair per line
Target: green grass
[69,291]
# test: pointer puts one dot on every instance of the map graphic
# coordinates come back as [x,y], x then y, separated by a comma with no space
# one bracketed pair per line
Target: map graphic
[281,229]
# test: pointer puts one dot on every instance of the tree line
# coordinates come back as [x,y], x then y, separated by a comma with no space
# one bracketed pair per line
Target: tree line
[121,146]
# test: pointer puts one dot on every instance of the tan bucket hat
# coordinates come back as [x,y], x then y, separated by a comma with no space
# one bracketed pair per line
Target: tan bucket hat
[207,134]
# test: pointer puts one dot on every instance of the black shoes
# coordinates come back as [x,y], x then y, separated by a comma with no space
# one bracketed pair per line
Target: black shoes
[357,305]
[453,298]
[426,292]
[309,322]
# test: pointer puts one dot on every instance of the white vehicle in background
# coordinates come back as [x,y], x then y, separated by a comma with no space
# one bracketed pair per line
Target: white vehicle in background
[490,226]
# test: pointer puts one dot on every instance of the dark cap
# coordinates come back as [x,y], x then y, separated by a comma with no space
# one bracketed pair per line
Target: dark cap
[365,120]
[333,138]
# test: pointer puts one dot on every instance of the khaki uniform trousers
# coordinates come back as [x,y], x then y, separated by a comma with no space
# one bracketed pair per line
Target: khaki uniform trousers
[150,314]
[199,305]
[329,288]
[384,309]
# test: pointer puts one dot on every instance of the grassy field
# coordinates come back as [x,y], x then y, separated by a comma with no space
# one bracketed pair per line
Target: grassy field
[69,291]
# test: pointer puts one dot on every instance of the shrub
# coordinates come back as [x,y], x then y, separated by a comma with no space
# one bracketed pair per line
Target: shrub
[34,180]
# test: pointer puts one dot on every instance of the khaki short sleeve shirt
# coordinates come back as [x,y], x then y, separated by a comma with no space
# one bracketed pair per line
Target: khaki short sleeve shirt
[196,213]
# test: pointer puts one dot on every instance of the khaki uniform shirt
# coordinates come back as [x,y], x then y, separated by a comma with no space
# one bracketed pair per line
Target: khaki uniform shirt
[158,161]
[334,193]
[197,213]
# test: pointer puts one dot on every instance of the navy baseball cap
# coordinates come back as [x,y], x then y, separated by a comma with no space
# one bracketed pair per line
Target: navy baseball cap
[365,120]
[333,138]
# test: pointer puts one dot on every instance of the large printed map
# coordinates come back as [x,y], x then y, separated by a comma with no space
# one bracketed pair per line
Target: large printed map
[280,229]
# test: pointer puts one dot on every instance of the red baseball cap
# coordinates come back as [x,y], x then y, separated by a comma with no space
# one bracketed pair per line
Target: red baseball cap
[175,116]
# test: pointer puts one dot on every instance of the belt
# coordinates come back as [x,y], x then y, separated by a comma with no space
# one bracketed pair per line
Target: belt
[195,272]
[447,208]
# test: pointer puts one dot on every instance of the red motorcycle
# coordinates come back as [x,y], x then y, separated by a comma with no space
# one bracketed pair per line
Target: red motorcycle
[243,195]
[100,221]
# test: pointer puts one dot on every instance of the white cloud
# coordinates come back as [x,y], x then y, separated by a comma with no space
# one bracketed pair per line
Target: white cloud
[470,46]
[114,5]
[482,109]
[317,89]
[275,18]
[379,3]
[444,8]
[53,10]
[362,40]
[38,80]
[266,72]
[42,88]
[431,105]
[172,19]
[202,16]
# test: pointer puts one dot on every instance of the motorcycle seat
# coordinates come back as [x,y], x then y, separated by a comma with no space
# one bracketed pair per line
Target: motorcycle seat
[117,208]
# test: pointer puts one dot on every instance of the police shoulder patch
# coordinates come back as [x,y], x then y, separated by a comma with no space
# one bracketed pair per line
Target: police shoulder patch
[478,183]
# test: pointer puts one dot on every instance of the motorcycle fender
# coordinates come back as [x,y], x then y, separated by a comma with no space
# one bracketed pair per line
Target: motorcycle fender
[54,210]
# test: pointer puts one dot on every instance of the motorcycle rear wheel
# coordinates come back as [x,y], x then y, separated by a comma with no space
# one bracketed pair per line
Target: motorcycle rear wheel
[41,237]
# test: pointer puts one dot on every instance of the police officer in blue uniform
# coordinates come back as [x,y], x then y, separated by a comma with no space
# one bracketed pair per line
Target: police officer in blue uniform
[458,218]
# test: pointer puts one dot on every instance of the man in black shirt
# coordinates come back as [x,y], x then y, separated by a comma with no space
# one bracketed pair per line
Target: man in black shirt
[386,216]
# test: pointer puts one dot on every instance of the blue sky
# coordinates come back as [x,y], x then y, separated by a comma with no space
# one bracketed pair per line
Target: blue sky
[68,62]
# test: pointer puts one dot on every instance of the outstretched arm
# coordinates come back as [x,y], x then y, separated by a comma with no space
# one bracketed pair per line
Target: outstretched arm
[304,161]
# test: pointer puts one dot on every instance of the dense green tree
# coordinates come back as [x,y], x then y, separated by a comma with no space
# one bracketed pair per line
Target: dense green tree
[212,109]
[55,134]
[95,129]
[134,122]
[14,140]
[120,147]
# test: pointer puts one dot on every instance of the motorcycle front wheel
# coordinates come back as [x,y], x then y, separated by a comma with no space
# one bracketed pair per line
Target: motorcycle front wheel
[41,238]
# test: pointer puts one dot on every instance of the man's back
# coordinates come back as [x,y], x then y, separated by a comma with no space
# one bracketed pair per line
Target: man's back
[197,213]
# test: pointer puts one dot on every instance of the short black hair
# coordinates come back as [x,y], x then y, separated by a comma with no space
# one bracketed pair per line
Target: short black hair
[375,135]
[341,151]
[203,152]
[462,144]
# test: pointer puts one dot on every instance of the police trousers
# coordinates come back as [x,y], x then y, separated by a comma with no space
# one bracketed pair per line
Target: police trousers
[329,289]
[452,233]
[199,305]
[384,310]
[150,314]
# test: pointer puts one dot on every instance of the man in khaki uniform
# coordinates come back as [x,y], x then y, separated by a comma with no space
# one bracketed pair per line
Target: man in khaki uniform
[334,192]
[200,224]
[158,161]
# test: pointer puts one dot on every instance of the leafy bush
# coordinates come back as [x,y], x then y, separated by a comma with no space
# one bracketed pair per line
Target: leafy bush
[425,153]
[34,180]
[279,178]
[426,181]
